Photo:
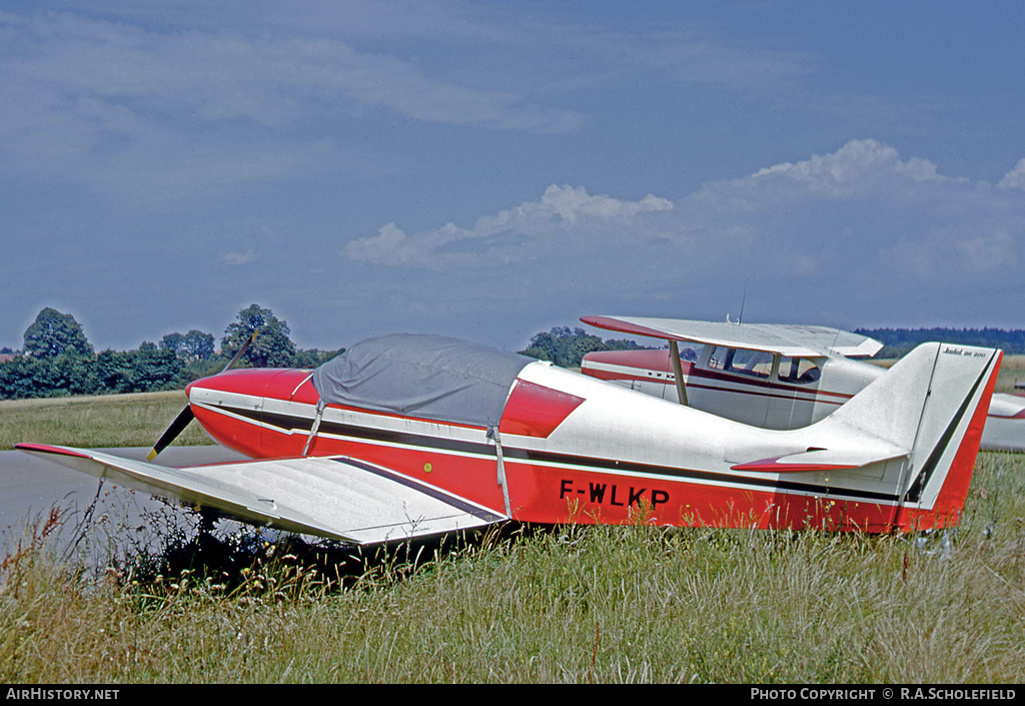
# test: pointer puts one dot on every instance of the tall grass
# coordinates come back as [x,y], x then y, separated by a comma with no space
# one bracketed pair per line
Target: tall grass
[568,604]
[1012,370]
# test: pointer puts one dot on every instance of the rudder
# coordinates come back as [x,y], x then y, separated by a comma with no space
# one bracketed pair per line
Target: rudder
[947,443]
[933,403]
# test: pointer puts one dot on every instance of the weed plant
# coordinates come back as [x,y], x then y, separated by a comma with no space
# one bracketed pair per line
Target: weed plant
[565,604]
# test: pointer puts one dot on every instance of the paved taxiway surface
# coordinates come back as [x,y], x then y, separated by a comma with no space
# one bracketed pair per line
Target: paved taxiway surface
[30,486]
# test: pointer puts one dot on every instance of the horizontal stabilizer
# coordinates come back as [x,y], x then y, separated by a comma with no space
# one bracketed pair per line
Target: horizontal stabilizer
[338,498]
[824,459]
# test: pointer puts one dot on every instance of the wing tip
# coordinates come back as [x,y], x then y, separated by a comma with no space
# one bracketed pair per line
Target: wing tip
[29,447]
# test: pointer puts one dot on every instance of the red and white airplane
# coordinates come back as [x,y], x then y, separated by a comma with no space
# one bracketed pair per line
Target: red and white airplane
[777,376]
[408,436]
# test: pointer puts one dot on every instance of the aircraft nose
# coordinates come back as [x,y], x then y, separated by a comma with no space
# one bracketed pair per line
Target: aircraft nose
[229,407]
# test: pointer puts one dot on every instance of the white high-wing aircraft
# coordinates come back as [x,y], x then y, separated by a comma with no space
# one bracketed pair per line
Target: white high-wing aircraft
[777,376]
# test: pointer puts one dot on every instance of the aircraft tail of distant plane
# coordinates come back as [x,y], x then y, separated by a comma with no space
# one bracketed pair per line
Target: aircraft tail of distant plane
[933,402]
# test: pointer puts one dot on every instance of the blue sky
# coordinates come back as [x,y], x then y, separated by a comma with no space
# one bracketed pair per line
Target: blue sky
[490,170]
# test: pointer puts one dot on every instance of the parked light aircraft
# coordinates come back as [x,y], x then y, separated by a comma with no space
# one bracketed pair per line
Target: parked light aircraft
[777,376]
[412,435]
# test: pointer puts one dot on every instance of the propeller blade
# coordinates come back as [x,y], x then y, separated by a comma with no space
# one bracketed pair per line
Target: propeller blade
[242,350]
[186,415]
[172,432]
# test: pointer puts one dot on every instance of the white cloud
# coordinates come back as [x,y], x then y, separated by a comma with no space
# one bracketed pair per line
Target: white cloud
[862,210]
[238,258]
[954,253]
[1014,179]
[117,106]
[514,235]
[990,252]
[856,228]
[858,167]
[271,81]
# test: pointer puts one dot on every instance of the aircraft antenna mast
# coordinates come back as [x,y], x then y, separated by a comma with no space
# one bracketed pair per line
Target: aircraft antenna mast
[743,300]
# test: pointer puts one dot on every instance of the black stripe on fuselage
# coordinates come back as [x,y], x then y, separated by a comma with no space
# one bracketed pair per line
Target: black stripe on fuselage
[289,424]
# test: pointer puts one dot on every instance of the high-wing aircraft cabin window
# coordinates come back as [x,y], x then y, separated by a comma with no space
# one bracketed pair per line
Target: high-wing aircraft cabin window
[754,363]
[800,371]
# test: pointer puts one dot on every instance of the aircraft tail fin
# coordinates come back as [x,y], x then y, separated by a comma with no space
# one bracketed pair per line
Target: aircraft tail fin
[933,402]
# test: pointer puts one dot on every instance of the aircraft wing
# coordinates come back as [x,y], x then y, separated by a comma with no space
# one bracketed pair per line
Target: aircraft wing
[785,339]
[334,497]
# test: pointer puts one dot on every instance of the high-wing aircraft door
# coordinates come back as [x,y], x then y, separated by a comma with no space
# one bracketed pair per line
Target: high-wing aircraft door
[733,383]
[794,387]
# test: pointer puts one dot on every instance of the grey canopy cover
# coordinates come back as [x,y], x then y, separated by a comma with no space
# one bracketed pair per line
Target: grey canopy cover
[428,376]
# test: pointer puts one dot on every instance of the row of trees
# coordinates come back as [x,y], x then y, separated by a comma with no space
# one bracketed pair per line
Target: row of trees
[567,348]
[57,359]
[899,341]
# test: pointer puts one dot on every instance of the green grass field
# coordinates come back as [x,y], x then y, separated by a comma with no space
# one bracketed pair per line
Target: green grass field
[105,421]
[573,604]
[1012,370]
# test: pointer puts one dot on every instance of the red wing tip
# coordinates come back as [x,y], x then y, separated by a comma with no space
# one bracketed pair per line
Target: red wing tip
[47,449]
[613,324]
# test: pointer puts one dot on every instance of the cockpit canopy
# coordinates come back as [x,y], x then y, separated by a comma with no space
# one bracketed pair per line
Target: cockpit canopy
[433,377]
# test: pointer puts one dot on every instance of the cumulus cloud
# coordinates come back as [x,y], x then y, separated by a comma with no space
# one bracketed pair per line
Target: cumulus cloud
[864,212]
[856,225]
[955,252]
[513,235]
[791,218]
[1014,179]
[858,167]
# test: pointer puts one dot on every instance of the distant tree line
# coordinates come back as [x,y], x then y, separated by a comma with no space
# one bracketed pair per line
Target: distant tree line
[567,348]
[898,341]
[58,360]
